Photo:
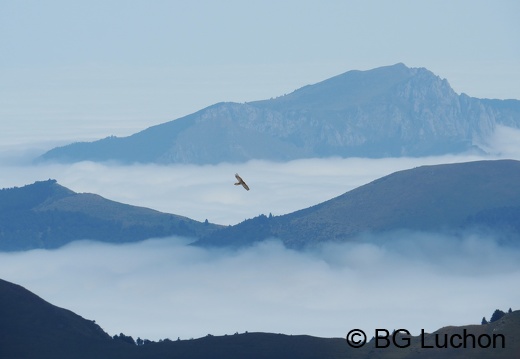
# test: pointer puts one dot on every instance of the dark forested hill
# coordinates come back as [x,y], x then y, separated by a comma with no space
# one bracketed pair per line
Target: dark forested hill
[47,215]
[428,198]
[481,194]
[388,111]
[33,328]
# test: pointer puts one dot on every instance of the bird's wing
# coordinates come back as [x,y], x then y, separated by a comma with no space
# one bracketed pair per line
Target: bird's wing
[241,182]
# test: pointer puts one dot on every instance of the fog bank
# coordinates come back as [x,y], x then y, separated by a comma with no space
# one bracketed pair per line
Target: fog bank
[164,288]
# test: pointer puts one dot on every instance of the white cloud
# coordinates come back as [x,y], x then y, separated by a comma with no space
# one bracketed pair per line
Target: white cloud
[505,142]
[207,192]
[165,288]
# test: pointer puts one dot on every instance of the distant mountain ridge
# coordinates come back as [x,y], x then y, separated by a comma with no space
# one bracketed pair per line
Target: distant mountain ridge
[388,111]
[480,194]
[33,328]
[48,215]
[472,195]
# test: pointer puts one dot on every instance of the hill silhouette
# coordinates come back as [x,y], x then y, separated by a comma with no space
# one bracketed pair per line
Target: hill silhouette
[48,215]
[388,111]
[480,195]
[33,328]
[472,195]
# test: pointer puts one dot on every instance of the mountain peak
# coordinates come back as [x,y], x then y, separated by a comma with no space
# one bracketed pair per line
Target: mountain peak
[32,195]
[352,88]
[389,111]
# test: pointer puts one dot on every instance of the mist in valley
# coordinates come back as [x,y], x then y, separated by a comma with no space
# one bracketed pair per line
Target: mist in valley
[82,72]
[207,192]
[166,288]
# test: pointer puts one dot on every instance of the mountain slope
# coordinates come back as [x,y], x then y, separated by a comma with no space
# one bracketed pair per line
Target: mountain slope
[494,340]
[388,111]
[427,198]
[47,215]
[33,328]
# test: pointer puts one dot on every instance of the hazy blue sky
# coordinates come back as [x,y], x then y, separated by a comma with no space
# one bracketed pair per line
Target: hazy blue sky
[76,70]
[87,69]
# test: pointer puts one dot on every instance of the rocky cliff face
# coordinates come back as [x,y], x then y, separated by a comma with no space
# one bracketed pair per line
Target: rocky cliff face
[413,113]
[389,111]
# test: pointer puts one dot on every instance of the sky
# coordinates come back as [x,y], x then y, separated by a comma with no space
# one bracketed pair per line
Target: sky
[74,71]
[84,70]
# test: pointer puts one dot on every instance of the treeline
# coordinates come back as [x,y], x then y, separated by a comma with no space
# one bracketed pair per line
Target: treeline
[497,314]
[29,196]
[139,342]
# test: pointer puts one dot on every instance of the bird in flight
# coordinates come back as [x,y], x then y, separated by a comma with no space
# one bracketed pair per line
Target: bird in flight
[241,182]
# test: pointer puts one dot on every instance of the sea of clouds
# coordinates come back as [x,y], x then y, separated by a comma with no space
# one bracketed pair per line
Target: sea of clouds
[165,288]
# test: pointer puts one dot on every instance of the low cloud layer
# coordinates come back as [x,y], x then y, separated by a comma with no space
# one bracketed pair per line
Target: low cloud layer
[207,192]
[165,288]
